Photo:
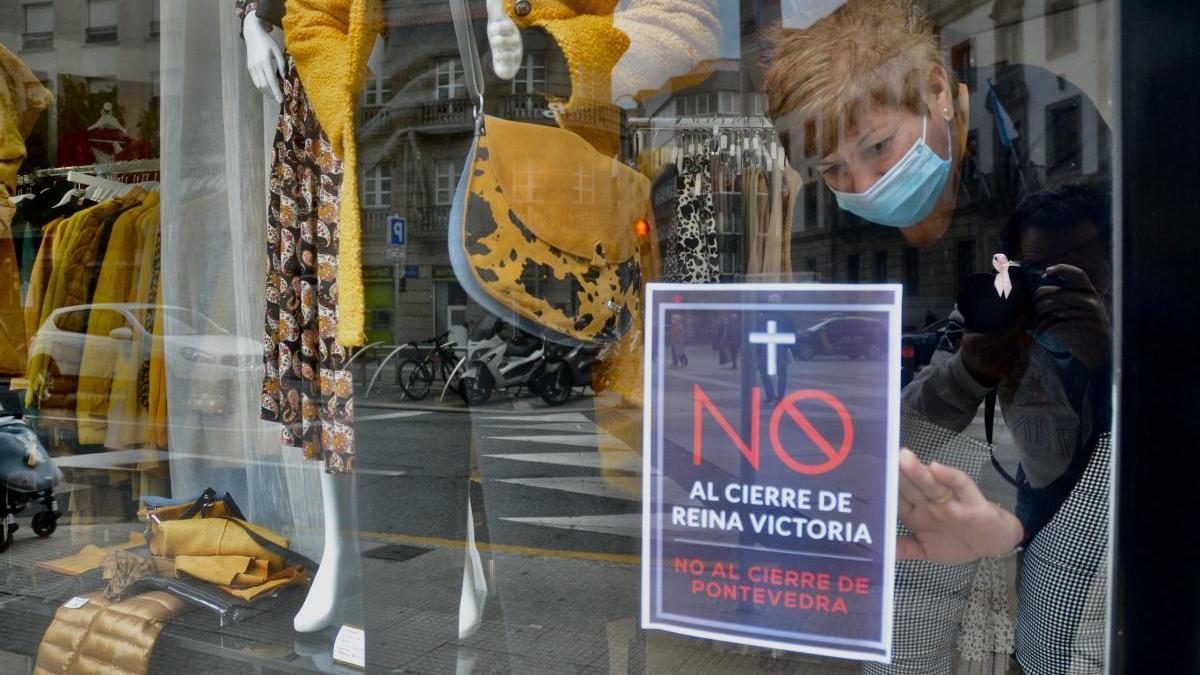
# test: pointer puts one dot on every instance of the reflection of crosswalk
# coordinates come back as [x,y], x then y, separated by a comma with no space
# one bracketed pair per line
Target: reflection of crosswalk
[593,497]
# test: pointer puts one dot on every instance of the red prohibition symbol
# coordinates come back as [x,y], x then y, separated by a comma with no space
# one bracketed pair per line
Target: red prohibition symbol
[834,456]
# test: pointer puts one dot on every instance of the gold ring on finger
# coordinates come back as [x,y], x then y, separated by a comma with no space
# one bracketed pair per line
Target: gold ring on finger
[942,499]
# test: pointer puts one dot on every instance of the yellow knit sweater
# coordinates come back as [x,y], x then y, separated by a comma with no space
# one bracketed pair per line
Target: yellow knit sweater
[330,41]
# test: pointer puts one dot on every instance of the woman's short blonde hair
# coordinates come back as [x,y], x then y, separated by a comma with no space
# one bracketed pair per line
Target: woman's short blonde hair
[866,53]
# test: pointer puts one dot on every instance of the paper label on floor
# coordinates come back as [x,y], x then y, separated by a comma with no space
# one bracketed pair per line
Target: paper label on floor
[75,602]
[350,647]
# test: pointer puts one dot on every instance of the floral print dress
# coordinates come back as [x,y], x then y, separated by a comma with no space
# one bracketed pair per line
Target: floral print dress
[306,386]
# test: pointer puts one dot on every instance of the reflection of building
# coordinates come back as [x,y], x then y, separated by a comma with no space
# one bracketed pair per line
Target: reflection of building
[88,52]
[415,128]
[1061,139]
[415,123]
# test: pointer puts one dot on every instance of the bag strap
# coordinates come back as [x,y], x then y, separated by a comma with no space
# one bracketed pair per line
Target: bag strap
[469,51]
[289,556]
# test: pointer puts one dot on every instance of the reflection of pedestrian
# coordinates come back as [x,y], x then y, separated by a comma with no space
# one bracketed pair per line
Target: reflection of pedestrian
[677,339]
[783,324]
[730,340]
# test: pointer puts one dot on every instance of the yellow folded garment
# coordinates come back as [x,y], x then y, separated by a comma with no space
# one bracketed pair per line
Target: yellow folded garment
[90,557]
[286,577]
[213,537]
[222,570]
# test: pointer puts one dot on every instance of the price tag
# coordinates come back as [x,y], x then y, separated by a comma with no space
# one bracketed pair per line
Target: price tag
[349,647]
[75,602]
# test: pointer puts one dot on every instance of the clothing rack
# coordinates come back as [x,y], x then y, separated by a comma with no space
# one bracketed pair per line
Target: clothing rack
[99,170]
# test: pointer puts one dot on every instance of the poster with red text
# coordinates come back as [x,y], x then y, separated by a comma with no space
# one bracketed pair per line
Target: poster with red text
[771,443]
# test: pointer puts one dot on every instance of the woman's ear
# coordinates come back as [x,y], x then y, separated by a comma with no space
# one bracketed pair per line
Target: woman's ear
[938,92]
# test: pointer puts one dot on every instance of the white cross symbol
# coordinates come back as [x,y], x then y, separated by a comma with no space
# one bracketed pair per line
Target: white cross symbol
[773,339]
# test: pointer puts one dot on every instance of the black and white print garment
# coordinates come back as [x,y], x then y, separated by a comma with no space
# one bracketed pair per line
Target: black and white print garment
[696,259]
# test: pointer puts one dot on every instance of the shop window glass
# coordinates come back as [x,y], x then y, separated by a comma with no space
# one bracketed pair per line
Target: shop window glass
[424,420]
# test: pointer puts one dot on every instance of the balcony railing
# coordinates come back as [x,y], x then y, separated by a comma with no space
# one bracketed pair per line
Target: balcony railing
[435,221]
[531,107]
[38,40]
[374,227]
[101,34]
[448,112]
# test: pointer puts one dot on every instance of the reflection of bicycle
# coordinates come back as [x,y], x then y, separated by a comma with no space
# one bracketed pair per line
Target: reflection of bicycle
[439,363]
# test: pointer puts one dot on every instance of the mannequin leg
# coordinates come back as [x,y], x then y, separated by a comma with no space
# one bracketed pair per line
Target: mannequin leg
[336,578]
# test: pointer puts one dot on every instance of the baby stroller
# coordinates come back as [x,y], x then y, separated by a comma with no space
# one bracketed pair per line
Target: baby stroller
[27,474]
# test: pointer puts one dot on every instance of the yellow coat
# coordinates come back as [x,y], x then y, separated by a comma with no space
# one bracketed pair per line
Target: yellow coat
[330,41]
[22,100]
[115,283]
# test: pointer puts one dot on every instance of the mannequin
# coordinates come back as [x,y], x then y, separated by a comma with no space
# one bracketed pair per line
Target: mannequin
[336,583]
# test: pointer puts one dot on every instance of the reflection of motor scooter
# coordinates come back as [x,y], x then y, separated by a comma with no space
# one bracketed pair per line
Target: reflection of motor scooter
[566,368]
[494,362]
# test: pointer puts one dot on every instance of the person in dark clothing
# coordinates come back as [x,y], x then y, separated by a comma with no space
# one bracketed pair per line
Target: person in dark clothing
[730,340]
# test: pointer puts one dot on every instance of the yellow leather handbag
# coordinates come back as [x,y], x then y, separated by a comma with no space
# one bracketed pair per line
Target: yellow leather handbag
[543,228]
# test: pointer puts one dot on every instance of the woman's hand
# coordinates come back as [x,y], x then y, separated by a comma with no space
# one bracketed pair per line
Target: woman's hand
[264,57]
[950,520]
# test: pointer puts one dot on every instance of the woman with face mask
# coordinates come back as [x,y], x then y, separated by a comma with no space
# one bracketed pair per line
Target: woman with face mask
[864,103]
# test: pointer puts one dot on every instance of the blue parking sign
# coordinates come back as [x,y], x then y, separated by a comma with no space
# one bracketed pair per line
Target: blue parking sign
[397,231]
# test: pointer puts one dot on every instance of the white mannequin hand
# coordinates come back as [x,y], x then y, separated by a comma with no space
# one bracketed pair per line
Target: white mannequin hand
[504,38]
[264,57]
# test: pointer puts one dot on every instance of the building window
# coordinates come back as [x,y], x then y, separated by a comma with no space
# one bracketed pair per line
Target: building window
[810,264]
[962,60]
[964,261]
[852,267]
[102,21]
[377,187]
[377,91]
[810,205]
[446,181]
[1008,42]
[450,82]
[881,270]
[912,271]
[531,77]
[529,180]
[1064,137]
[39,26]
[155,19]
[585,184]
[380,319]
[1062,27]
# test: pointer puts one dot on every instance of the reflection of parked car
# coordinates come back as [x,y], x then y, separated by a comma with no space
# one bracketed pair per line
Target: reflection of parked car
[917,347]
[852,336]
[193,346]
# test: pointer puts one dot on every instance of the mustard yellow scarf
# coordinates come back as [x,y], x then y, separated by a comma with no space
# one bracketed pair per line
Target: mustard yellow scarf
[330,41]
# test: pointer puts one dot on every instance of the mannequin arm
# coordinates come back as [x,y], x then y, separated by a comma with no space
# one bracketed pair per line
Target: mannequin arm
[504,38]
[264,57]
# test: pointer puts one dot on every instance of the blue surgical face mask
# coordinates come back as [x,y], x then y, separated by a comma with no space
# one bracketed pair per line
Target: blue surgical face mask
[907,193]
